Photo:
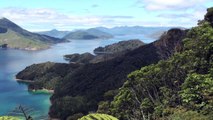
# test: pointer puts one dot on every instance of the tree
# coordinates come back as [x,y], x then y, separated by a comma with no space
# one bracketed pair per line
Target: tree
[27,113]
[196,90]
[209,16]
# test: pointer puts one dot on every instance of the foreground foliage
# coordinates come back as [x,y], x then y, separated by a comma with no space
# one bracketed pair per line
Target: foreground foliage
[9,118]
[98,117]
[184,81]
[82,89]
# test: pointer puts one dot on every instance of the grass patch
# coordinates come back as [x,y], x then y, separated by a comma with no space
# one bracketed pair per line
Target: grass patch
[15,40]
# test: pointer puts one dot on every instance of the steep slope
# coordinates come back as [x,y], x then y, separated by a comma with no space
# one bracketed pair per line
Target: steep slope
[15,40]
[54,33]
[91,81]
[16,37]
[177,88]
[81,90]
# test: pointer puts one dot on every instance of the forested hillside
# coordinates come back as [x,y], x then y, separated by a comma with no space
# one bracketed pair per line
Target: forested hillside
[178,88]
[80,90]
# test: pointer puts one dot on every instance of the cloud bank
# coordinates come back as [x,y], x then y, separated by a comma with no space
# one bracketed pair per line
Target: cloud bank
[42,17]
[170,12]
[171,4]
[142,13]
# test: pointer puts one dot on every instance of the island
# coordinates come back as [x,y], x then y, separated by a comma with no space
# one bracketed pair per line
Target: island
[89,34]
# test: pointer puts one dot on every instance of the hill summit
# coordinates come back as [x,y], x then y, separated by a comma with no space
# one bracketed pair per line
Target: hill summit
[16,37]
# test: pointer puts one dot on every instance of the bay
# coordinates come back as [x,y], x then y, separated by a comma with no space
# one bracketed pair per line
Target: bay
[12,61]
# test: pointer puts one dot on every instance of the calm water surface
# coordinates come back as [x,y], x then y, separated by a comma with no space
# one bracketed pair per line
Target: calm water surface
[13,93]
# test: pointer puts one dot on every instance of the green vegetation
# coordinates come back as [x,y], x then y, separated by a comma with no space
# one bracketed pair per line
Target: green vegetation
[175,88]
[45,75]
[71,104]
[92,82]
[184,114]
[14,40]
[95,83]
[79,58]
[80,35]
[178,88]
[119,48]
[88,34]
[105,53]
[9,118]
[15,37]
[96,116]
[209,16]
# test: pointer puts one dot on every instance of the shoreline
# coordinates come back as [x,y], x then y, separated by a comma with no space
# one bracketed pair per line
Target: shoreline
[26,49]
[36,91]
[41,91]
[24,81]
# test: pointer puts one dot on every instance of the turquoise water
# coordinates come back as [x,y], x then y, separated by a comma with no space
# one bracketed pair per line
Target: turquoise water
[13,93]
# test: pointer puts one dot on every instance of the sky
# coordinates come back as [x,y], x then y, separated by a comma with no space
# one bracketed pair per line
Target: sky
[42,15]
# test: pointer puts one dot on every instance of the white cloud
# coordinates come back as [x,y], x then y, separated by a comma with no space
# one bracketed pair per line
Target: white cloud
[175,12]
[45,16]
[171,4]
[48,19]
[162,12]
[183,18]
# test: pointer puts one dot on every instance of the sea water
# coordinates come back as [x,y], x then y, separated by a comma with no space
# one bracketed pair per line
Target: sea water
[13,94]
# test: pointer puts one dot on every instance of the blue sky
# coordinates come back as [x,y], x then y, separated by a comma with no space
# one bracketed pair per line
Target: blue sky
[40,15]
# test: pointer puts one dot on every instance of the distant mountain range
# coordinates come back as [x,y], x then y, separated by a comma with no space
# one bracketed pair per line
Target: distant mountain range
[106,33]
[13,36]
[92,33]
[123,30]
[54,33]
[151,32]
